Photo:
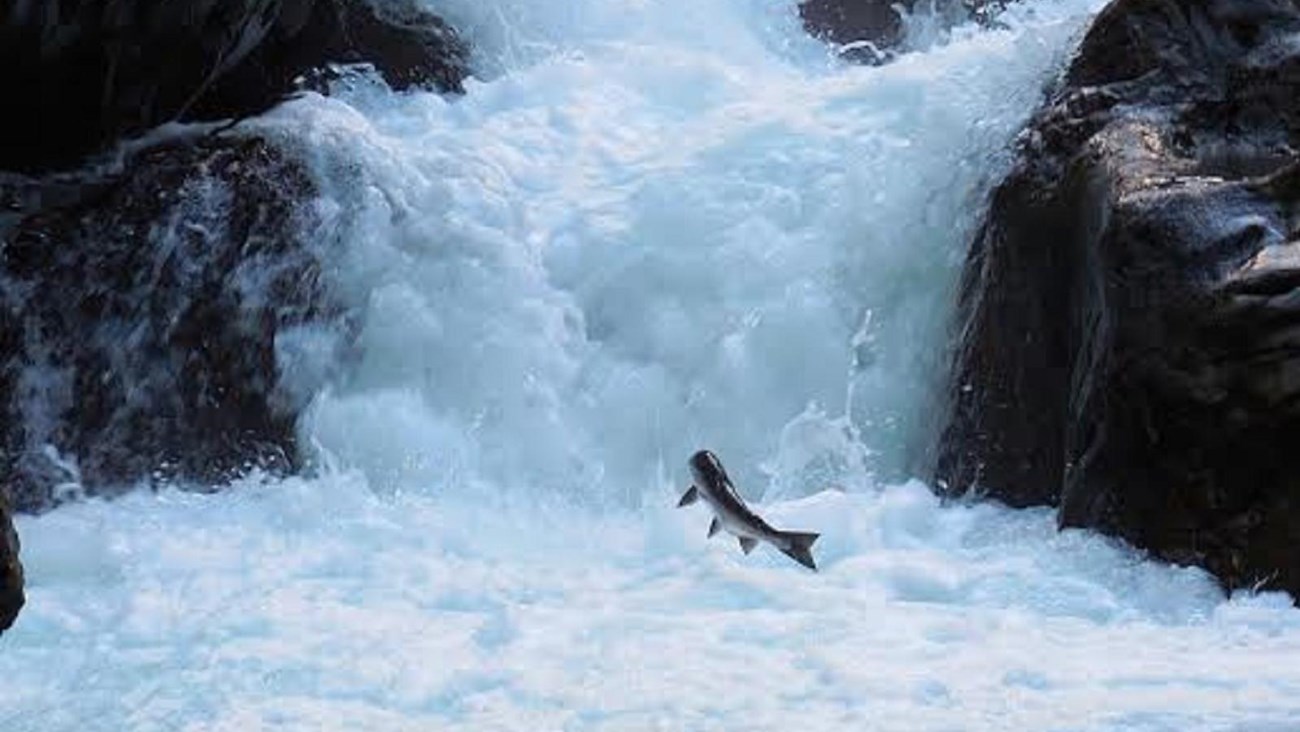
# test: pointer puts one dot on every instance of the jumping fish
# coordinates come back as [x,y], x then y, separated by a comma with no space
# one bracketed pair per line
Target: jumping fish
[711,484]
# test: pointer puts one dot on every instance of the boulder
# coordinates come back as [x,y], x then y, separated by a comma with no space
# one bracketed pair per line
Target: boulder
[90,72]
[1129,346]
[870,31]
[147,321]
[407,45]
[11,570]
[866,30]
[147,313]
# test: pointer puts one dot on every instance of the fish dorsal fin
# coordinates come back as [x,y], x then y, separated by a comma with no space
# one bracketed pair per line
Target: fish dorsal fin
[690,496]
[714,527]
[747,544]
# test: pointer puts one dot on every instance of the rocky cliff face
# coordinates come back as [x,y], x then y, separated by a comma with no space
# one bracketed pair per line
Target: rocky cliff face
[1130,337]
[88,72]
[150,308]
[145,321]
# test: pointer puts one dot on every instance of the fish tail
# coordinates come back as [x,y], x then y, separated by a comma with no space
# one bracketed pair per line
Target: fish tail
[800,548]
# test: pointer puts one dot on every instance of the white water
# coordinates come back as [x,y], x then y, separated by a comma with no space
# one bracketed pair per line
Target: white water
[646,238]
[649,227]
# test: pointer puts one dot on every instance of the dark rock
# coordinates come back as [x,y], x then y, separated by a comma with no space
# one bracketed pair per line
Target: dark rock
[143,322]
[407,45]
[870,31]
[87,73]
[1130,347]
[11,570]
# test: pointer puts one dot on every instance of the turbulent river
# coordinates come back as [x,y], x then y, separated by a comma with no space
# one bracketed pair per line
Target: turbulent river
[648,226]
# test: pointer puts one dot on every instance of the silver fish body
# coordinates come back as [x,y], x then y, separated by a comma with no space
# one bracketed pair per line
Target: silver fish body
[711,484]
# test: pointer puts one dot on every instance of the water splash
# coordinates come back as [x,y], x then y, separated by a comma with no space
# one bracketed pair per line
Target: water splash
[643,239]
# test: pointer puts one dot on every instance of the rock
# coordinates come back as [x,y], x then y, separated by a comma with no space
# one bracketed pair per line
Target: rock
[1130,338]
[870,31]
[146,318]
[867,29]
[125,66]
[11,570]
[407,45]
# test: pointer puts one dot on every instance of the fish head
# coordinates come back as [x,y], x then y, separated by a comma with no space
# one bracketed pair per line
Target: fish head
[707,470]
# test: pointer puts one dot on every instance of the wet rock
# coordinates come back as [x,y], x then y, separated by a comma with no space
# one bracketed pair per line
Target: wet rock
[87,73]
[405,43]
[870,31]
[11,570]
[147,321]
[866,31]
[1130,342]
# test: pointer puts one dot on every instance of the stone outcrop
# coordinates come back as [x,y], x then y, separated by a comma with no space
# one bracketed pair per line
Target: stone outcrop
[406,44]
[90,72]
[11,570]
[149,308]
[1130,336]
[143,319]
[870,31]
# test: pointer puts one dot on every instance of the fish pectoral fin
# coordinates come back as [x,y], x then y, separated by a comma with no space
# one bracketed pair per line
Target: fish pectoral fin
[691,495]
[714,527]
[747,544]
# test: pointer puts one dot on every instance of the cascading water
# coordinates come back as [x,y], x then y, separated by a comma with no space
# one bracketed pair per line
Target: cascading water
[647,227]
[639,238]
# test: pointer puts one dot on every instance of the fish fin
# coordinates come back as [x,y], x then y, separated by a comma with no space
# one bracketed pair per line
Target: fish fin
[800,548]
[690,496]
[747,544]
[714,527]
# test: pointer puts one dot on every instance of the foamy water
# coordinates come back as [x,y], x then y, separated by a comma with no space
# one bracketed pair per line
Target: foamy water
[646,228]
[650,238]
[317,605]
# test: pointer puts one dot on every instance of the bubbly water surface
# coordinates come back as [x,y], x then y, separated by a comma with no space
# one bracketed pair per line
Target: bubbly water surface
[659,226]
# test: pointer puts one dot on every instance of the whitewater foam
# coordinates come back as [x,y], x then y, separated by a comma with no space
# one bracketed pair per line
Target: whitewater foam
[646,240]
[317,605]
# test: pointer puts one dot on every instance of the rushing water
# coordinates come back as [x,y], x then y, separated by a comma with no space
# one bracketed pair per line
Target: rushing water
[648,226]
[658,226]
